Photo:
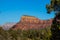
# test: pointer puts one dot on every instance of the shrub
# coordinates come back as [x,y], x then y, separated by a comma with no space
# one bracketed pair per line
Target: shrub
[41,34]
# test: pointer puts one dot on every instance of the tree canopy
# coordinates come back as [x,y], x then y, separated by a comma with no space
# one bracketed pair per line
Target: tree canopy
[53,6]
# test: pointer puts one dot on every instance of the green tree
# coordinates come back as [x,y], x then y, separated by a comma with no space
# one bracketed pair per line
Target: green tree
[55,6]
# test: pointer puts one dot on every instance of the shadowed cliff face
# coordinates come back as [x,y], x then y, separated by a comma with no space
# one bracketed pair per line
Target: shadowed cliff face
[29,22]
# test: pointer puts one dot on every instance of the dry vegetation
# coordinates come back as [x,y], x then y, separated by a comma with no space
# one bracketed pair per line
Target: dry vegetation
[42,34]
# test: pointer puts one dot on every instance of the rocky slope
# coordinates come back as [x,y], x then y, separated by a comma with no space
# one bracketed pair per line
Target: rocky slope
[30,22]
[7,26]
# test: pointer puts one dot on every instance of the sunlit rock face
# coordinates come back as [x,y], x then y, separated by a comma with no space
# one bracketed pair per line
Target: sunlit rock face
[30,22]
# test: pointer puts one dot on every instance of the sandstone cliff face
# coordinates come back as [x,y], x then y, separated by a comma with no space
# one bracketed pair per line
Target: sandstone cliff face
[29,22]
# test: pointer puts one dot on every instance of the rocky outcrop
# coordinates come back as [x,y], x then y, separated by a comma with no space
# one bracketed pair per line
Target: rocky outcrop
[7,26]
[30,22]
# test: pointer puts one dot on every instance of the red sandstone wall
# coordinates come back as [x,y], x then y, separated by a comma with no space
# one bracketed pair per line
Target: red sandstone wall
[28,22]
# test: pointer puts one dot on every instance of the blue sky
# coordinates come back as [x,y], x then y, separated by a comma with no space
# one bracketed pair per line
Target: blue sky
[12,10]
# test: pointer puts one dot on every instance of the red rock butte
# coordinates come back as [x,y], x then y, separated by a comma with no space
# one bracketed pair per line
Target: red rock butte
[30,22]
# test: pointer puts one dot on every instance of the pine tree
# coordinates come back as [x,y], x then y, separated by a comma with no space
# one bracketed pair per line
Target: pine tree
[55,7]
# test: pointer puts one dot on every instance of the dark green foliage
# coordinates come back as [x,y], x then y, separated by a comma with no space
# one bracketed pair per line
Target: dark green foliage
[55,6]
[55,29]
[41,34]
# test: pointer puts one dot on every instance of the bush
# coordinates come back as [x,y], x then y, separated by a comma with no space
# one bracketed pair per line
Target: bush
[41,34]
